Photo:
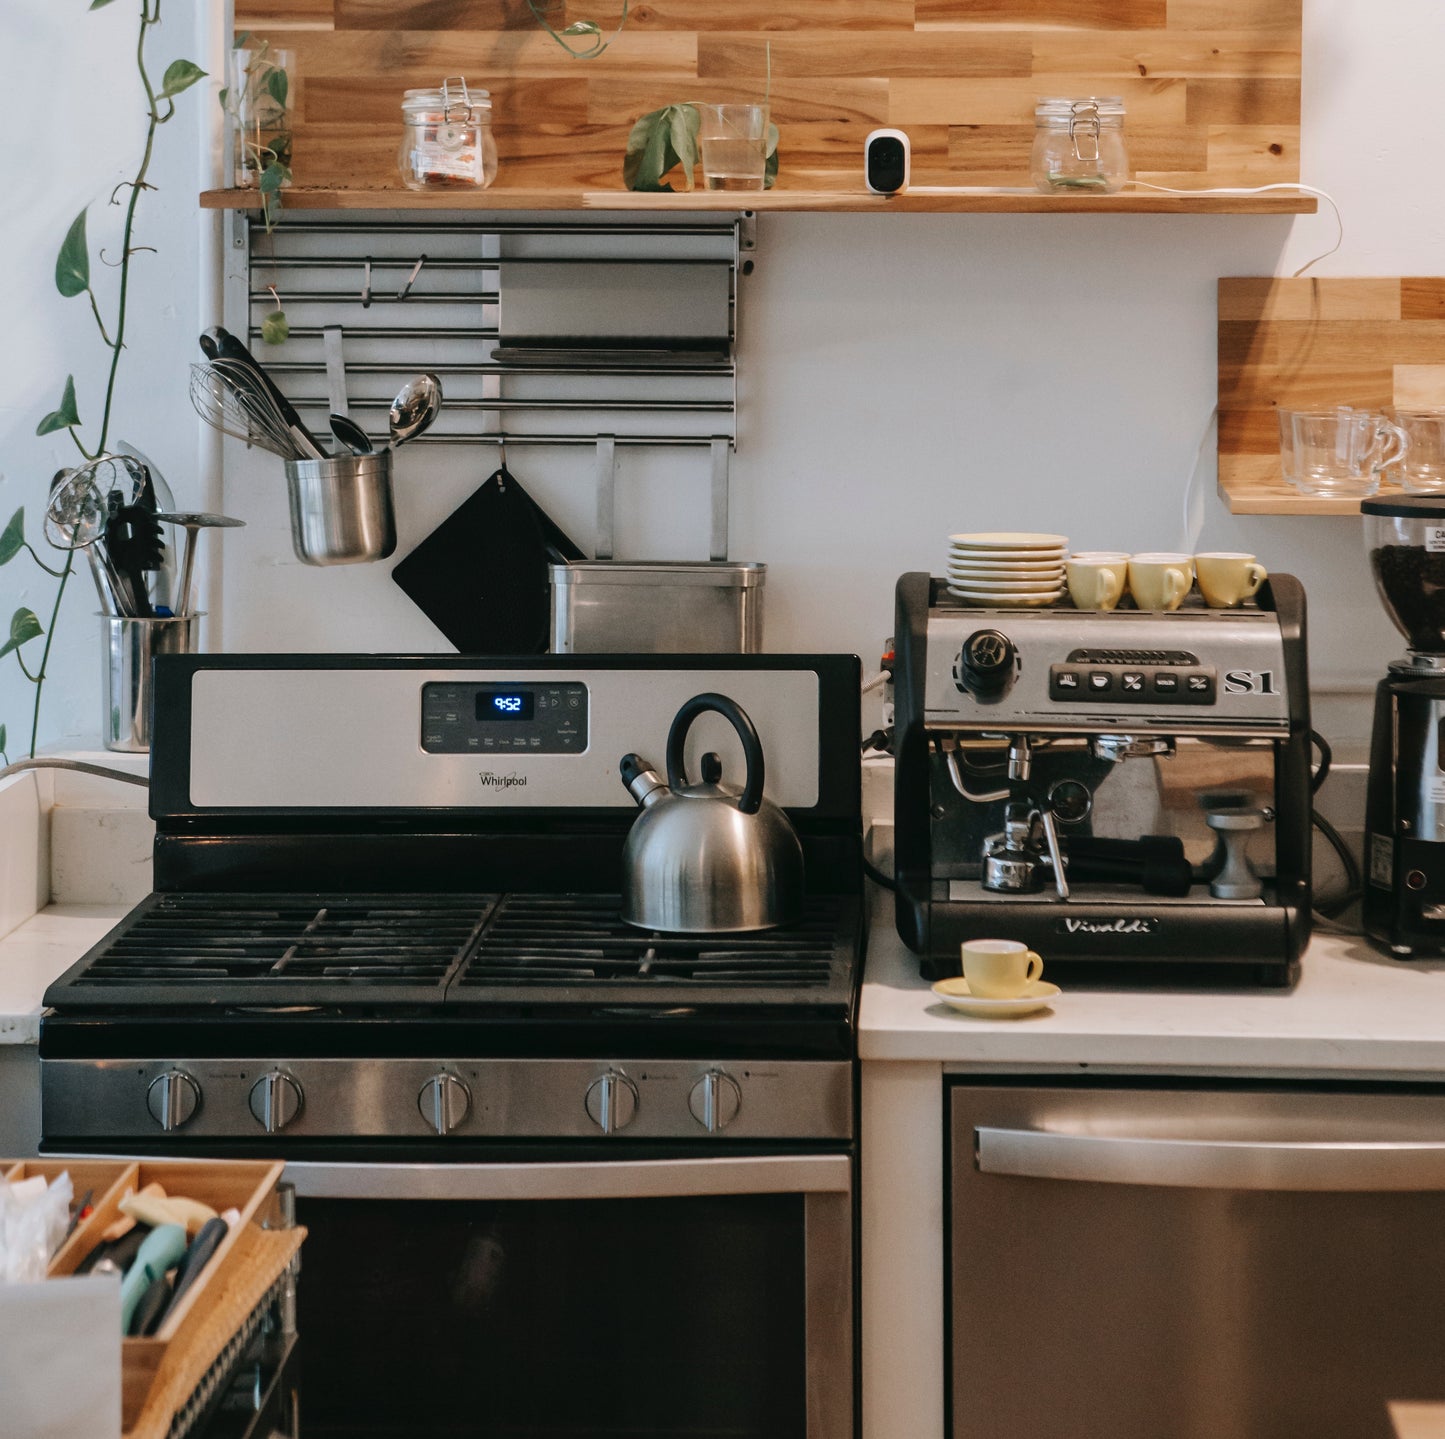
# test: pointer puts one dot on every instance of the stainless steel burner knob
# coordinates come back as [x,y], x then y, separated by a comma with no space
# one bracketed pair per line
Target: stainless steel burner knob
[715,1100]
[276,1100]
[172,1098]
[444,1102]
[611,1101]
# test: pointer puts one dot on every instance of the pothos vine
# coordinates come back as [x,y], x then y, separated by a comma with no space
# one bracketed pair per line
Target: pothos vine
[73,279]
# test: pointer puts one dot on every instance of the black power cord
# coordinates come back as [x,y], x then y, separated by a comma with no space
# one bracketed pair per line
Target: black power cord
[1354,880]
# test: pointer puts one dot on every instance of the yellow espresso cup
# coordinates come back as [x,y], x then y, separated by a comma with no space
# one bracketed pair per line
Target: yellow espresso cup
[1160,581]
[1097,578]
[999,968]
[1226,580]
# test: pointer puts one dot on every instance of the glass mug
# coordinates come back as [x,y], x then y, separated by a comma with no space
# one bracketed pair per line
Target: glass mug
[1421,469]
[1342,451]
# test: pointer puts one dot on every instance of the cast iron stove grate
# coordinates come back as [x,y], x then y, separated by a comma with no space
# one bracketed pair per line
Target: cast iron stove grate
[567,939]
[256,948]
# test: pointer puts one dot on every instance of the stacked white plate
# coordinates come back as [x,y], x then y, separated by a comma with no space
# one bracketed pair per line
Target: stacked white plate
[1007,568]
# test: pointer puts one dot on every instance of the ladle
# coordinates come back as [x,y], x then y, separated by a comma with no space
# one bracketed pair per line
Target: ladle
[415,407]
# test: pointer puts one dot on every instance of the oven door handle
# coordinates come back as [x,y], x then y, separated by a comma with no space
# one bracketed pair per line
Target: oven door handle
[603,1179]
[1212,1163]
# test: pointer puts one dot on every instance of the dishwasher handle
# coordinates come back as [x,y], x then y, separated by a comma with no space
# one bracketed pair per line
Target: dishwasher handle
[1344,1167]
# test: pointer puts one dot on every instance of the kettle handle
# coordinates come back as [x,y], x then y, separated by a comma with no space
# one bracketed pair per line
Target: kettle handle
[752,796]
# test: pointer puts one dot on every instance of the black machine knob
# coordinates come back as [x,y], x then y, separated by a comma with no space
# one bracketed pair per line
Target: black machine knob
[172,1098]
[275,1101]
[985,663]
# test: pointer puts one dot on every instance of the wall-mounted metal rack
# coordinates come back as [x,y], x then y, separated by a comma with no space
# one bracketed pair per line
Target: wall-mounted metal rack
[413,294]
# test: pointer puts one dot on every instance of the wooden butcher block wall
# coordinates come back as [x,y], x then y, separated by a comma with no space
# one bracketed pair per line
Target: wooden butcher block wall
[1212,87]
[1310,345]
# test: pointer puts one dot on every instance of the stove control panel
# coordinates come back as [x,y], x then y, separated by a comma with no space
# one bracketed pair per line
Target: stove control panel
[529,717]
[450,1097]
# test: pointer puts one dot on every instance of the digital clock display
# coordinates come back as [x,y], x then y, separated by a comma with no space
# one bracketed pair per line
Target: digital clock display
[505,704]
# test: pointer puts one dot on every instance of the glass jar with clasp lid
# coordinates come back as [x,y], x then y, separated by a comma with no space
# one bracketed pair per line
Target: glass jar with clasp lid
[447,139]
[1079,146]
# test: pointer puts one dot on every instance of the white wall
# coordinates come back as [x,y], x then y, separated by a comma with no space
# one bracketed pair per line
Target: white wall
[75,101]
[902,377]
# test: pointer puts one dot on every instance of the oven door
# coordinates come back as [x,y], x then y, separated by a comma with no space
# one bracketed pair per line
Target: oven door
[692,1298]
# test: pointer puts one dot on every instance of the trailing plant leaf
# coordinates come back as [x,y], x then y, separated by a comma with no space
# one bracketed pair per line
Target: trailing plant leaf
[4,745]
[277,85]
[23,627]
[275,328]
[72,265]
[98,4]
[650,151]
[770,168]
[64,417]
[12,542]
[682,136]
[180,75]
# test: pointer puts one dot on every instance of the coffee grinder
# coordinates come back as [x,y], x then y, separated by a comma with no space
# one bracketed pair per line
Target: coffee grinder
[1404,903]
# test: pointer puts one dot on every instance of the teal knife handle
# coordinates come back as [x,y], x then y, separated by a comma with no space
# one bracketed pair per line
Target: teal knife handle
[164,1248]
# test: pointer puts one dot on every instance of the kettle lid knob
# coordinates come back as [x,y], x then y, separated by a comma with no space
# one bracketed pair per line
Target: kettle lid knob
[711,768]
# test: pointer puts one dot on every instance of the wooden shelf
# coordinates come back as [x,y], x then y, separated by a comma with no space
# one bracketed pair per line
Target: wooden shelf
[825,201]
[1260,489]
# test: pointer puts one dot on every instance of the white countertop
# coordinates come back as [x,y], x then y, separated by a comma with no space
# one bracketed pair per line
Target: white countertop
[41,949]
[1353,1009]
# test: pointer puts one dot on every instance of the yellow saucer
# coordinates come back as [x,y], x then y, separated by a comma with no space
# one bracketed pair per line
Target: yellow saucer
[1037,994]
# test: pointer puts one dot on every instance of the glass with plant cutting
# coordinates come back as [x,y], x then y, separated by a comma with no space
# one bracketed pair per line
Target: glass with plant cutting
[259,102]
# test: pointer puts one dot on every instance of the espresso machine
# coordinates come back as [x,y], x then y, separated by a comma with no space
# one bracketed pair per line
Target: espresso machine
[1404,903]
[1127,792]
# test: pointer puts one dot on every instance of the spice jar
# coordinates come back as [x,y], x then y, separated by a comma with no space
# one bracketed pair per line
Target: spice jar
[1079,146]
[447,139]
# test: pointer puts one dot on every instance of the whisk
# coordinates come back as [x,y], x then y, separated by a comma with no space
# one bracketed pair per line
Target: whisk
[228,398]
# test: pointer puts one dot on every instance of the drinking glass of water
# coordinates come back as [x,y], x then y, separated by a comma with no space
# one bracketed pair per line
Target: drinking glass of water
[734,145]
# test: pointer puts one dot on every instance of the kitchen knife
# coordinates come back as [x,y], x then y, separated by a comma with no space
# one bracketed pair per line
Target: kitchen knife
[163,1249]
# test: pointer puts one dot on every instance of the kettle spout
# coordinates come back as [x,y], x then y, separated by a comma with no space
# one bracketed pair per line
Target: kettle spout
[644,784]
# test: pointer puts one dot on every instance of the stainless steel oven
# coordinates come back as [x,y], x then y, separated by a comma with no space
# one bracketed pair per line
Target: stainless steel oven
[1148,1260]
[563,1178]
[697,1297]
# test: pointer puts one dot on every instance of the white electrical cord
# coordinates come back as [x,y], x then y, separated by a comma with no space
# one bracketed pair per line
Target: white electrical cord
[872,684]
[1291,185]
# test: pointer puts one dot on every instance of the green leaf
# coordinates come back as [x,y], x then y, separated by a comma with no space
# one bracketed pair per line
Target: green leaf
[23,627]
[4,744]
[240,40]
[224,95]
[649,154]
[98,4]
[770,170]
[275,328]
[583,27]
[72,265]
[180,75]
[277,86]
[66,416]
[272,177]
[11,543]
[682,136]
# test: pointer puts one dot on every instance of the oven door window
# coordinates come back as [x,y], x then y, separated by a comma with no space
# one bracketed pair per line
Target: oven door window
[554,1319]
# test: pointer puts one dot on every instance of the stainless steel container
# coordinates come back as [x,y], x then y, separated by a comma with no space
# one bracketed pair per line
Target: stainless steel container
[341,509]
[130,645]
[703,607]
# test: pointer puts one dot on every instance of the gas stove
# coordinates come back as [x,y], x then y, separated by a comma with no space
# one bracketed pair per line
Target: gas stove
[387,908]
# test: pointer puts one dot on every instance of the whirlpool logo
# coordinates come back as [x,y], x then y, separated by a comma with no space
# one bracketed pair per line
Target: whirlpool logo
[492,780]
[1107,926]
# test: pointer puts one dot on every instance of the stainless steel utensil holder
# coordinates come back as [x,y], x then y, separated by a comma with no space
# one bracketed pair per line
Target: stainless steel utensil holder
[130,645]
[341,509]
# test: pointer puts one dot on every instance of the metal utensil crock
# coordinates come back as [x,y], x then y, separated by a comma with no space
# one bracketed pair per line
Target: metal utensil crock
[708,858]
[341,509]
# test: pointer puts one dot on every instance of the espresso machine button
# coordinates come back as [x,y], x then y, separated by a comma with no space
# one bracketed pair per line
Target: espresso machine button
[1166,682]
[985,663]
[1064,684]
[1101,682]
[1199,689]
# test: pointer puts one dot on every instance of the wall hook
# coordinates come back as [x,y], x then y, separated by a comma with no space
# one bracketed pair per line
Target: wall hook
[405,290]
[366,285]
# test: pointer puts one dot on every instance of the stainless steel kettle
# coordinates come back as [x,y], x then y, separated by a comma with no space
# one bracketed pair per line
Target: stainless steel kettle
[708,858]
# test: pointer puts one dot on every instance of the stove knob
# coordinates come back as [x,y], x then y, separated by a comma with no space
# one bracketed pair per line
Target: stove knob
[275,1100]
[715,1100]
[172,1098]
[444,1102]
[611,1102]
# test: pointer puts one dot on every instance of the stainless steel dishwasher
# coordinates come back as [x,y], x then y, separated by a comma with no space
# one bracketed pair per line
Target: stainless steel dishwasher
[1157,1261]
